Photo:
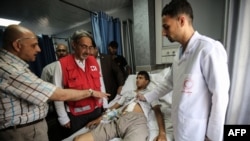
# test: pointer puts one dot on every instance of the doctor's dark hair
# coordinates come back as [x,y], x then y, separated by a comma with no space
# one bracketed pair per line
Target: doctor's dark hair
[176,7]
[145,74]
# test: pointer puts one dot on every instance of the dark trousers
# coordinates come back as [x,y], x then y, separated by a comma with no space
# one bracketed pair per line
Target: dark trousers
[78,122]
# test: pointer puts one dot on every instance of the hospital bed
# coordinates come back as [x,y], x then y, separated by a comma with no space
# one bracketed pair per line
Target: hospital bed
[166,101]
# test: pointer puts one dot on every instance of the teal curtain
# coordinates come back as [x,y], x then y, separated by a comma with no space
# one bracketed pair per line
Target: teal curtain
[105,29]
[46,56]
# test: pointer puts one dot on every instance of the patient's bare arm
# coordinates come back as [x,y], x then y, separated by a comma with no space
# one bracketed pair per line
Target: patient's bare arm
[115,106]
[160,122]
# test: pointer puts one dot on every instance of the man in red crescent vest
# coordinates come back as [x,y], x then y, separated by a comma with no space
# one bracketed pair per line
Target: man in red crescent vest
[79,71]
[75,77]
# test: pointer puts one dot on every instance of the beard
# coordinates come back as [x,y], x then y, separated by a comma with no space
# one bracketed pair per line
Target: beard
[170,39]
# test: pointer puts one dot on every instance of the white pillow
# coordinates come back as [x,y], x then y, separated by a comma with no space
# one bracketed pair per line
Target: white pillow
[156,79]
[130,84]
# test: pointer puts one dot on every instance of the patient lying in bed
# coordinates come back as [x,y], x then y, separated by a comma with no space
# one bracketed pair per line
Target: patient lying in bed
[152,128]
[131,123]
[165,104]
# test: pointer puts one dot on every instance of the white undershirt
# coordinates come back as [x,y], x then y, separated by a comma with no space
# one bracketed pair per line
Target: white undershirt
[105,101]
[101,78]
[80,64]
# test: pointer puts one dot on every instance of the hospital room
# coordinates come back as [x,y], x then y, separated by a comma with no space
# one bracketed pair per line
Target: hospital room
[124,70]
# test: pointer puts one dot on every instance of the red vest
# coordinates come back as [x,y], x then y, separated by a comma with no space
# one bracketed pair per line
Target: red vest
[75,78]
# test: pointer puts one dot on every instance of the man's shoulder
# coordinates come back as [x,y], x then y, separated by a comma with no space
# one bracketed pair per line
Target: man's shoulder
[205,44]
[127,92]
[50,66]
[91,60]
[105,56]
[67,57]
[106,60]
[205,40]
[120,57]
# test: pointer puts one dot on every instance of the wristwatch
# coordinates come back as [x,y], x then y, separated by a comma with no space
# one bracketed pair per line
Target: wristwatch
[91,92]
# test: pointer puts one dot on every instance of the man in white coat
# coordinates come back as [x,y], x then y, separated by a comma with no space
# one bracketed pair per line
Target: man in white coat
[199,78]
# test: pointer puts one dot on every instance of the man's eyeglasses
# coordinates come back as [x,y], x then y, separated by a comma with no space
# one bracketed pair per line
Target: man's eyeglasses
[86,47]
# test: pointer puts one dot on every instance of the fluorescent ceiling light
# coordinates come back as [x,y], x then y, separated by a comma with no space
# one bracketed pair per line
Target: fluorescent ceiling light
[6,22]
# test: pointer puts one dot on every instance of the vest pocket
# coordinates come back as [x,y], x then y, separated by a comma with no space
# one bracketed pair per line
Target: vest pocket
[96,78]
[73,79]
[73,83]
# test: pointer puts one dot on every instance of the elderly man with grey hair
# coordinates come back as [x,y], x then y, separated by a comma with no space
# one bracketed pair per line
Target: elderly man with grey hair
[79,71]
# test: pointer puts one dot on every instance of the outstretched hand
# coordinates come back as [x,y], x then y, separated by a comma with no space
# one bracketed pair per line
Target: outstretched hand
[100,94]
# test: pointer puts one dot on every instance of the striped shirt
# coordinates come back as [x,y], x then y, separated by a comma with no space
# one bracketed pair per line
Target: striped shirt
[23,95]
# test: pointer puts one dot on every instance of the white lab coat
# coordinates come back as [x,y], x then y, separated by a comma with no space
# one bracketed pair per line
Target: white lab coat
[200,84]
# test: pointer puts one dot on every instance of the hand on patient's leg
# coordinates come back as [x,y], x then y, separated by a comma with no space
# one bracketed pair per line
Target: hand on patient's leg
[84,137]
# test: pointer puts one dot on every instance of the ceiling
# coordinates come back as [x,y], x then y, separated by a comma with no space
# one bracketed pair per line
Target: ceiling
[54,16]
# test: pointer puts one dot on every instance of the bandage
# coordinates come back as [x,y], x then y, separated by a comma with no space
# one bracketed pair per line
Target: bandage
[130,107]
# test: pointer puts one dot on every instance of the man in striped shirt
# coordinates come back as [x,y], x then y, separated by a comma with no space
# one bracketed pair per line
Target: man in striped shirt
[24,96]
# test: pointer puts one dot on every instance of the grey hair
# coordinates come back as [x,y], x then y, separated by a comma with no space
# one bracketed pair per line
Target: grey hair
[77,35]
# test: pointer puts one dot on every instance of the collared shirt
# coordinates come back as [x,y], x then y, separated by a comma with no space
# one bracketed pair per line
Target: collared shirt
[81,64]
[128,97]
[23,95]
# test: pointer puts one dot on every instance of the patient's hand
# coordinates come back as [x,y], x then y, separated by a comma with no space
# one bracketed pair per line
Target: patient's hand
[94,123]
[140,97]
[161,137]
